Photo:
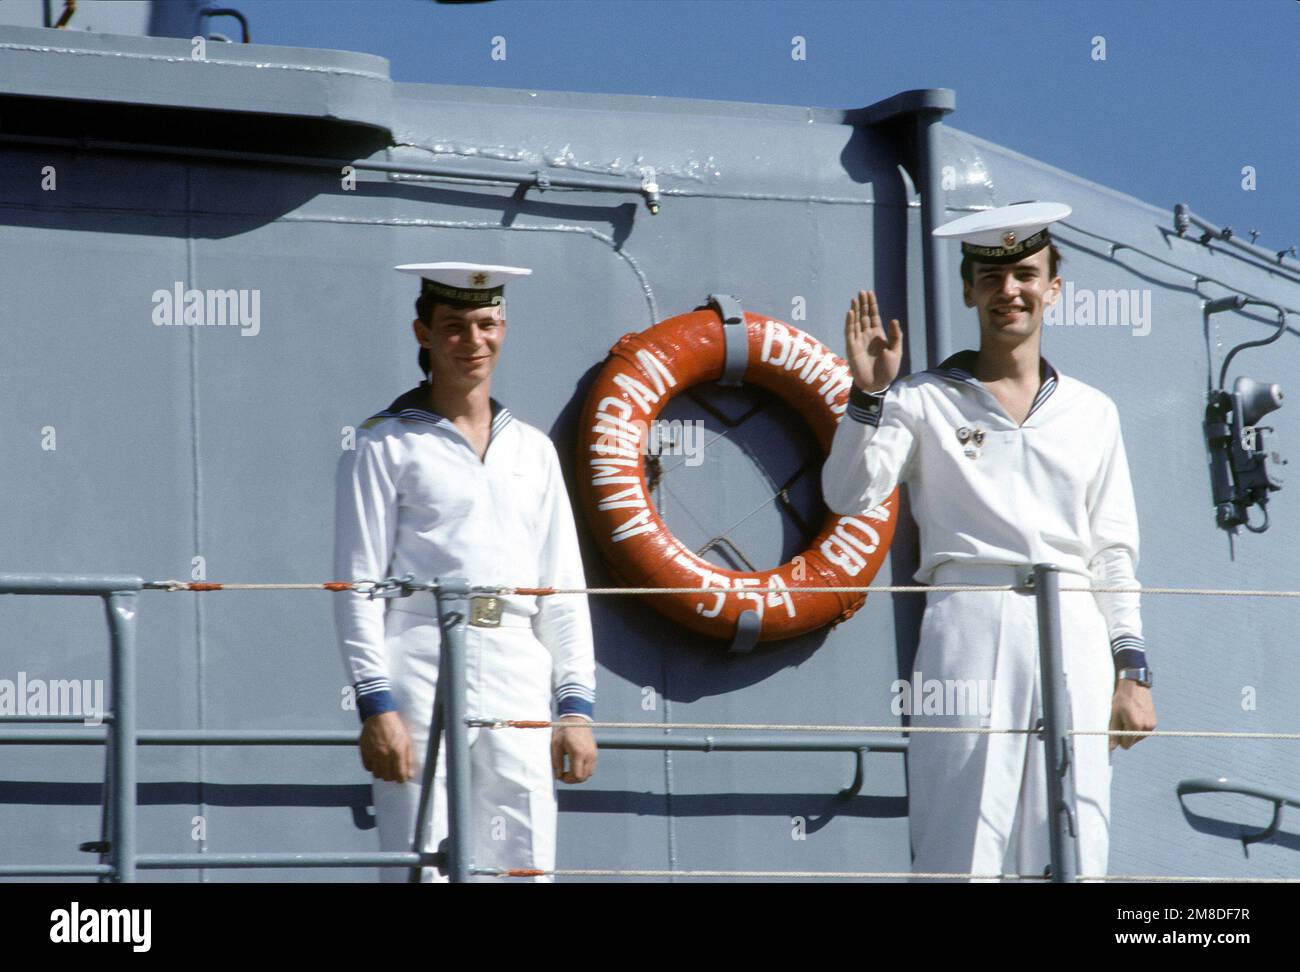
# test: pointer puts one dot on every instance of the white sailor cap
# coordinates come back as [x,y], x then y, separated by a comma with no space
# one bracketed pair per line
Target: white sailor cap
[464,283]
[1005,234]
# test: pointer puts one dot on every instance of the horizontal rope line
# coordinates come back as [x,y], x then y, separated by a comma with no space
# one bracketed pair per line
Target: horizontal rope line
[1185,734]
[598,872]
[366,586]
[1189,880]
[766,727]
[886,588]
[199,587]
[887,875]
[484,723]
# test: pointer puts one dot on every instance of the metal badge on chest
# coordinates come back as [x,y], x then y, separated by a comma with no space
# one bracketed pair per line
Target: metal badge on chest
[972,440]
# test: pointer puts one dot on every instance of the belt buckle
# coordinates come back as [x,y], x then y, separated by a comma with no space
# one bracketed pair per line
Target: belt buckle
[485,611]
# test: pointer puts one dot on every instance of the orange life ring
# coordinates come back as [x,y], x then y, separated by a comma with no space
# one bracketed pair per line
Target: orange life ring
[645,370]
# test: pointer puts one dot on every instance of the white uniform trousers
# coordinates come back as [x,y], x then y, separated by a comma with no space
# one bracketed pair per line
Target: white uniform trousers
[977,803]
[508,674]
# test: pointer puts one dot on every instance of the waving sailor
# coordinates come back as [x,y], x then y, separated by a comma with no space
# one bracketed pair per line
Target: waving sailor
[1008,463]
[445,482]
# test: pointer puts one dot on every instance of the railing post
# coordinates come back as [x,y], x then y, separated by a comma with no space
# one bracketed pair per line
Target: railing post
[121,609]
[429,780]
[453,612]
[1058,748]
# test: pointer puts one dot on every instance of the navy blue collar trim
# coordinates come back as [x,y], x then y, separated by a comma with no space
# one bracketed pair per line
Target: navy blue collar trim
[414,405]
[961,367]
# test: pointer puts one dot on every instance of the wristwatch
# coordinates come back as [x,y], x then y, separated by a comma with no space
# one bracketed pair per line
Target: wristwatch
[1140,675]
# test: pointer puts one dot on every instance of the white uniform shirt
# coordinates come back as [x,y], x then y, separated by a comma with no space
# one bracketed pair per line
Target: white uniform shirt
[1055,489]
[414,498]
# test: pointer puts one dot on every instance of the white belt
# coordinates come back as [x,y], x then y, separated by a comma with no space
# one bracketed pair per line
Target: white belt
[488,611]
[961,572]
[967,572]
[485,611]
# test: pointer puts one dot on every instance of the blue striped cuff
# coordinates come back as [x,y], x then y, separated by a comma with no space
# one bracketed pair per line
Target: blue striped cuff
[1129,651]
[374,696]
[865,407]
[573,698]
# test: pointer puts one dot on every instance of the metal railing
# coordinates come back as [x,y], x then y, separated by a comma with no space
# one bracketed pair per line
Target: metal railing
[1224,785]
[450,719]
[119,594]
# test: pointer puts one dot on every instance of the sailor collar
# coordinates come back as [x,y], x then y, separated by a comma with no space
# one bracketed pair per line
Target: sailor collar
[413,405]
[961,367]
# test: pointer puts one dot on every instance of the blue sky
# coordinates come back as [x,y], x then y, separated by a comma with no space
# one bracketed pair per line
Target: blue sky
[1189,93]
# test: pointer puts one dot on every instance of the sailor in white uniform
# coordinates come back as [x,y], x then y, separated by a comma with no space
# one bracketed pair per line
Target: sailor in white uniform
[446,483]
[1008,463]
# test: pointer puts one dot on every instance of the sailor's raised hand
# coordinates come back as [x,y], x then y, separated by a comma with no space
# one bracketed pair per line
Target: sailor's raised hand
[874,357]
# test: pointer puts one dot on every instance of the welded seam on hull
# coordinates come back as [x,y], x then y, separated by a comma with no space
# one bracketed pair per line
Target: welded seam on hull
[770,197]
[168,59]
[486,181]
[419,178]
[196,451]
[668,771]
[646,290]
